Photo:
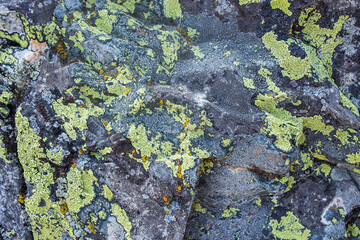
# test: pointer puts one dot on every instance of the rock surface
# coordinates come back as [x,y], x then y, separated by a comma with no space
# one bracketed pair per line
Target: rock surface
[173,119]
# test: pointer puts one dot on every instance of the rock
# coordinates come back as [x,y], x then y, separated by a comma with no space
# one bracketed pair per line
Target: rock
[179,119]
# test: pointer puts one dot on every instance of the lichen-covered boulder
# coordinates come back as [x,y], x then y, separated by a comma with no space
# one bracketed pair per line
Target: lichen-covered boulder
[173,119]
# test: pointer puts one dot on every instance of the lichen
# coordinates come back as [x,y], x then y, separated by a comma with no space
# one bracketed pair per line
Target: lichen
[289,227]
[80,189]
[229,212]
[172,9]
[248,83]
[122,218]
[243,2]
[106,22]
[315,124]
[283,5]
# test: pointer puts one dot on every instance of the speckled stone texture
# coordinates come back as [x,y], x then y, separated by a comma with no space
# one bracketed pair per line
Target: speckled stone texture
[171,119]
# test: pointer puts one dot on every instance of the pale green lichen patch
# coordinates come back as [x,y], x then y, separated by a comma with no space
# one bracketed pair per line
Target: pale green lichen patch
[243,2]
[122,218]
[3,150]
[170,43]
[199,208]
[80,189]
[353,158]
[348,103]
[107,193]
[315,124]
[289,227]
[106,21]
[294,67]
[172,9]
[75,116]
[47,220]
[248,83]
[343,136]
[5,97]
[352,230]
[229,212]
[283,5]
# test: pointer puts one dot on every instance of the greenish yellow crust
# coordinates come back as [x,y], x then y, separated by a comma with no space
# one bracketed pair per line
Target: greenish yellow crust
[47,220]
[283,5]
[122,218]
[229,212]
[172,9]
[243,2]
[80,189]
[289,227]
[248,83]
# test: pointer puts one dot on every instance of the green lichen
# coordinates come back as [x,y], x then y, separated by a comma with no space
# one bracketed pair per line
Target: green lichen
[122,218]
[283,5]
[294,67]
[325,169]
[75,116]
[290,181]
[289,227]
[248,83]
[229,212]
[199,208]
[353,158]
[172,9]
[308,163]
[15,37]
[78,39]
[3,150]
[315,124]
[55,156]
[105,23]
[352,230]
[5,97]
[280,123]
[243,2]
[348,103]
[107,193]
[258,202]
[47,220]
[343,136]
[170,43]
[80,189]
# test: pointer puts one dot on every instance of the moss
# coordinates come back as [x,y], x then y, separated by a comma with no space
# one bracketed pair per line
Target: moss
[315,124]
[243,2]
[105,23]
[289,227]
[80,189]
[248,83]
[229,212]
[283,5]
[294,67]
[172,9]
[122,218]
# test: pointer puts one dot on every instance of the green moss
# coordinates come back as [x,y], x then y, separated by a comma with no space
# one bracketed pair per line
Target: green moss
[243,2]
[122,218]
[80,189]
[106,22]
[283,5]
[315,124]
[248,83]
[172,9]
[294,67]
[229,212]
[289,227]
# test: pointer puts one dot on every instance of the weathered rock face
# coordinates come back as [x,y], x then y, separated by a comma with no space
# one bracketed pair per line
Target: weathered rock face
[179,120]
